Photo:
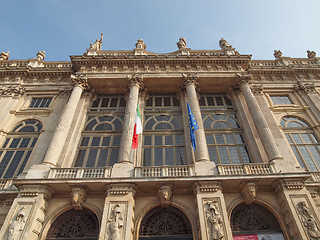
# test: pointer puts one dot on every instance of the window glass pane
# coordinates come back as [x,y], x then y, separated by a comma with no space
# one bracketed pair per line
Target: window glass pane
[209,139]
[213,154]
[180,156]
[219,139]
[168,140]
[5,143]
[296,138]
[158,101]
[179,140]
[175,102]
[219,101]
[103,156]
[239,138]
[14,164]
[104,102]
[92,158]
[223,154]
[244,154]
[169,156]
[229,139]
[158,140]
[158,156]
[114,156]
[306,138]
[147,157]
[116,141]
[307,158]
[147,140]
[235,159]
[289,138]
[24,163]
[96,103]
[167,101]
[314,154]
[24,143]
[4,162]
[122,102]
[114,102]
[85,141]
[210,101]
[301,162]
[80,158]
[95,141]
[14,143]
[106,141]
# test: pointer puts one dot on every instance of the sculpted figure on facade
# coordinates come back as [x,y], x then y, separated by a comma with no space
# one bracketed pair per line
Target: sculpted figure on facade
[13,91]
[224,45]
[41,55]
[140,44]
[78,197]
[308,220]
[17,225]
[277,54]
[311,54]
[214,221]
[248,192]
[115,223]
[97,44]
[182,43]
[165,195]
[4,56]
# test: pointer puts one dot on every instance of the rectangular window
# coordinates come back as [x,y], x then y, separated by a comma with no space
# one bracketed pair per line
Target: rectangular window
[40,102]
[281,100]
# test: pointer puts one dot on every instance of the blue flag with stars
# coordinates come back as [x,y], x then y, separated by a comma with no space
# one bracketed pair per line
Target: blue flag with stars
[193,125]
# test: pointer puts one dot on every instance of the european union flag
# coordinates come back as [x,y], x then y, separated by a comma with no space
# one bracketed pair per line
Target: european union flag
[193,125]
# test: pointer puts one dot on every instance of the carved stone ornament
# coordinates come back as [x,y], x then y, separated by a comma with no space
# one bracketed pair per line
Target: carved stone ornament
[182,43]
[277,54]
[214,220]
[78,197]
[248,192]
[311,54]
[115,223]
[243,78]
[256,89]
[17,225]
[41,55]
[12,91]
[308,220]
[140,44]
[165,194]
[81,81]
[97,44]
[190,78]
[135,79]
[224,45]
[305,87]
[4,56]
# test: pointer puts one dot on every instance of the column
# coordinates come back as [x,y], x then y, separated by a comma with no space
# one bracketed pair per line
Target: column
[211,205]
[190,82]
[258,119]
[118,213]
[135,83]
[61,133]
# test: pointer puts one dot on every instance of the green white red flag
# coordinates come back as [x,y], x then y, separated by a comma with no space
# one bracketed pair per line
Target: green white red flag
[137,129]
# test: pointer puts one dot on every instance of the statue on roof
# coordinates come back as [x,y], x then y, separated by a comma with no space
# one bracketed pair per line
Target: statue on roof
[277,54]
[41,55]
[311,54]
[224,45]
[97,44]
[182,43]
[140,44]
[4,55]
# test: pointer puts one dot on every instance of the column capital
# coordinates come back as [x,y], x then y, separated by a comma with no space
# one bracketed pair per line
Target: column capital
[190,78]
[81,81]
[135,80]
[301,87]
[244,78]
[256,88]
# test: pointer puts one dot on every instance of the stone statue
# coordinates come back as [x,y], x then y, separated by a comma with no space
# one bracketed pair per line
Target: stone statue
[224,45]
[182,43]
[165,194]
[308,220]
[4,56]
[214,221]
[277,54]
[97,44]
[78,197]
[248,192]
[311,54]
[17,225]
[116,223]
[140,44]
[41,55]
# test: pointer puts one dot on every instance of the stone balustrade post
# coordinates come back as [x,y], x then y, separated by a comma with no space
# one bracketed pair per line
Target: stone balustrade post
[260,122]
[61,133]
[190,82]
[135,83]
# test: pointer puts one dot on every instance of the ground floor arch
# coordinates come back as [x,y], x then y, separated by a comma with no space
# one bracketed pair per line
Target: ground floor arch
[255,221]
[75,224]
[165,223]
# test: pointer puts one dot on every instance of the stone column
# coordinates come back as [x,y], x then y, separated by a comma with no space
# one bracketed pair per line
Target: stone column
[135,83]
[61,133]
[299,210]
[118,213]
[211,206]
[258,119]
[27,213]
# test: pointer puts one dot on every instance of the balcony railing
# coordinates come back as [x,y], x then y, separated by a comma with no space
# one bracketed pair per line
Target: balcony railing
[315,176]
[80,172]
[245,169]
[6,184]
[164,171]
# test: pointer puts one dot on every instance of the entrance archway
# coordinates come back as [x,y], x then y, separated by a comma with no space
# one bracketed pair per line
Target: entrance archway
[73,225]
[255,221]
[165,223]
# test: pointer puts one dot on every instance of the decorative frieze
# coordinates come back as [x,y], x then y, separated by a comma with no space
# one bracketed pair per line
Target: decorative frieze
[289,185]
[308,220]
[12,91]
[304,87]
[256,88]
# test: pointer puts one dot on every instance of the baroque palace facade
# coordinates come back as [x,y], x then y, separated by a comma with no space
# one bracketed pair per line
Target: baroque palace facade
[68,170]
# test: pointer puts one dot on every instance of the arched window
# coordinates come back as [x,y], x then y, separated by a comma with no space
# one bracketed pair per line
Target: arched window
[100,140]
[18,147]
[75,224]
[303,142]
[165,223]
[163,141]
[223,133]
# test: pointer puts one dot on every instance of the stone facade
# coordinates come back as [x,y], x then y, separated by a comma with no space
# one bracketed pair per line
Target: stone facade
[68,170]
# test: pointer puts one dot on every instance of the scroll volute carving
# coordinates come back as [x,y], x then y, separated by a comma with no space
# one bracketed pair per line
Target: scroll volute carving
[165,195]
[308,220]
[214,220]
[78,196]
[248,192]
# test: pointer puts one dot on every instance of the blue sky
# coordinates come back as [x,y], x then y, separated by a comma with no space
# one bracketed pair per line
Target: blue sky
[67,27]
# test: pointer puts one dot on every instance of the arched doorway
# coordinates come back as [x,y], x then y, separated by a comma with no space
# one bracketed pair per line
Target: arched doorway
[254,222]
[74,225]
[165,223]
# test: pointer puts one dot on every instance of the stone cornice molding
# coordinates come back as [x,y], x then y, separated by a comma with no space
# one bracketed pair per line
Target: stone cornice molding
[135,80]
[34,191]
[289,184]
[207,187]
[120,189]
[12,91]
[81,81]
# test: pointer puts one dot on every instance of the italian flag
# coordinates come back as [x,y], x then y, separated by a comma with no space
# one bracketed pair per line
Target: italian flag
[137,129]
